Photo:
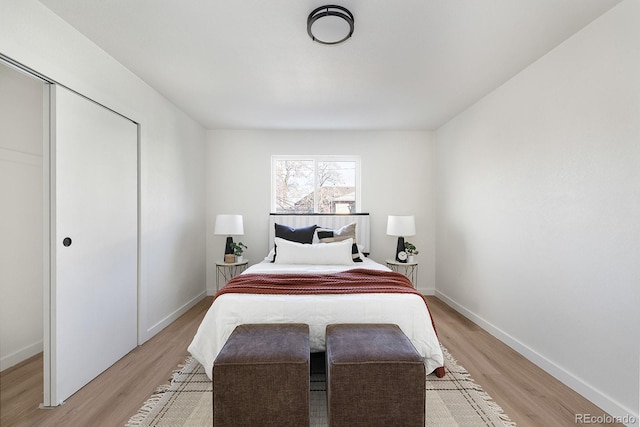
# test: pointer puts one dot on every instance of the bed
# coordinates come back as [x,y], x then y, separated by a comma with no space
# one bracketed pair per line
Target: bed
[336,258]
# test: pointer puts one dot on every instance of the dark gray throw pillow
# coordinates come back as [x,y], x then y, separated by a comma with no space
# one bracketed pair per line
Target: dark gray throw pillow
[300,235]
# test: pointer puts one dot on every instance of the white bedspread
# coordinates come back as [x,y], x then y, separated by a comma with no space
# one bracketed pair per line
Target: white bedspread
[408,311]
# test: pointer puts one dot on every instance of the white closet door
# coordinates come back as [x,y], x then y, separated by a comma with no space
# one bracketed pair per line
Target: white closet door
[93,312]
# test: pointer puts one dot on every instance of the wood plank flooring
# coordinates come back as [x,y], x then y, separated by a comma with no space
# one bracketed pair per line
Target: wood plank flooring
[530,396]
[114,396]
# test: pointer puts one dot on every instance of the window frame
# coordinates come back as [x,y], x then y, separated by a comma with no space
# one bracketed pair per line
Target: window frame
[316,158]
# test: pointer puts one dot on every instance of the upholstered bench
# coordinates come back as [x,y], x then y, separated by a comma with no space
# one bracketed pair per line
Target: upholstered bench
[261,377]
[375,377]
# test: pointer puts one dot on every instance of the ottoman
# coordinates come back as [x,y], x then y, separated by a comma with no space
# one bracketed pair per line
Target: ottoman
[375,377]
[261,377]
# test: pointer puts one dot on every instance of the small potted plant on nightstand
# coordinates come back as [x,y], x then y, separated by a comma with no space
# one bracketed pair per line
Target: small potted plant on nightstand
[411,250]
[238,249]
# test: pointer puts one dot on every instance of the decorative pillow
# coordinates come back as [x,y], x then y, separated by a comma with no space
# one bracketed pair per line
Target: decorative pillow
[338,253]
[325,235]
[271,256]
[300,235]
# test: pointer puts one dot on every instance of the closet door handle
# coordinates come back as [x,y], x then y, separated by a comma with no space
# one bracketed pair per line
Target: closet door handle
[66,242]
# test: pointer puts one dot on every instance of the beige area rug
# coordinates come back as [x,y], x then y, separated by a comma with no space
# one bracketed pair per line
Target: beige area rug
[455,400]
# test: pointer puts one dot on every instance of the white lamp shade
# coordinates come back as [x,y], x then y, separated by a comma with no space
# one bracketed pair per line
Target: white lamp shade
[229,225]
[401,225]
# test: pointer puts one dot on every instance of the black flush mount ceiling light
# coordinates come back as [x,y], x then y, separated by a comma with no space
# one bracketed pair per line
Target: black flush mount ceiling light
[330,24]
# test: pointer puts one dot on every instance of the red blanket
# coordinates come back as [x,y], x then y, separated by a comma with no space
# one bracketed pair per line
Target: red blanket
[358,280]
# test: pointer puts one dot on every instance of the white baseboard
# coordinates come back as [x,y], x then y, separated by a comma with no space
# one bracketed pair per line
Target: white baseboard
[153,330]
[23,354]
[600,399]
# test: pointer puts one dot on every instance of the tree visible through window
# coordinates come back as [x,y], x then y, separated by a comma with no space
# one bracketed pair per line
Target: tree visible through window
[315,184]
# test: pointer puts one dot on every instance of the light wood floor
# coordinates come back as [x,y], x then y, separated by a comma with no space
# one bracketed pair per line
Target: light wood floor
[114,396]
[530,396]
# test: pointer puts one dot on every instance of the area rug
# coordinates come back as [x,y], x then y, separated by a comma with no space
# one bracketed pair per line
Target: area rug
[454,400]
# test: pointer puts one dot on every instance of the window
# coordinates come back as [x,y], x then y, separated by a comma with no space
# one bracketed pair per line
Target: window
[315,184]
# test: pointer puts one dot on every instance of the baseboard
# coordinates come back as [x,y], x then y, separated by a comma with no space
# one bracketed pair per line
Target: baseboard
[21,355]
[598,398]
[153,330]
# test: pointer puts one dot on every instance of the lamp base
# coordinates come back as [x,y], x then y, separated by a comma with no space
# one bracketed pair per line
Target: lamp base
[228,249]
[400,248]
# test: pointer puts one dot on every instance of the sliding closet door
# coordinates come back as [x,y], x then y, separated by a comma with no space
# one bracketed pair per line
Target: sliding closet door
[93,248]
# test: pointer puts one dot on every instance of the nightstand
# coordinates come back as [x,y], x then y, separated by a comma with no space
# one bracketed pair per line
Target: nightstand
[409,269]
[228,270]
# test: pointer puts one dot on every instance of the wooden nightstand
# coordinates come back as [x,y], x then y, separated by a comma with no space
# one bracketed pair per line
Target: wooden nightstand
[228,270]
[409,269]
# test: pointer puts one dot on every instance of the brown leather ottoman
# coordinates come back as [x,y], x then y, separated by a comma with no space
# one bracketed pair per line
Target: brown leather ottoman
[261,377]
[375,377]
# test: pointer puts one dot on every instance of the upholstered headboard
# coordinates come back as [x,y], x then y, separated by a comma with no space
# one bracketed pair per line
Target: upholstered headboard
[333,221]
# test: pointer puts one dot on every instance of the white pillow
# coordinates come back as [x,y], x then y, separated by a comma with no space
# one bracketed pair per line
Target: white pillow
[271,255]
[338,253]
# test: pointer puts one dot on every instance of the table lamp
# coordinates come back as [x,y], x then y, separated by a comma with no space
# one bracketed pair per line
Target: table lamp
[401,226]
[228,225]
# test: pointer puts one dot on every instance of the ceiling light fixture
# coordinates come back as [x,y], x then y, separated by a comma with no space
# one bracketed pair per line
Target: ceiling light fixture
[330,24]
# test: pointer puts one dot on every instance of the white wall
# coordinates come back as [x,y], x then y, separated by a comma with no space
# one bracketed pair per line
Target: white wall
[397,178]
[172,147]
[21,198]
[538,211]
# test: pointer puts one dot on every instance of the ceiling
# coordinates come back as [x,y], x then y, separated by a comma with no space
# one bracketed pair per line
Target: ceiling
[249,64]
